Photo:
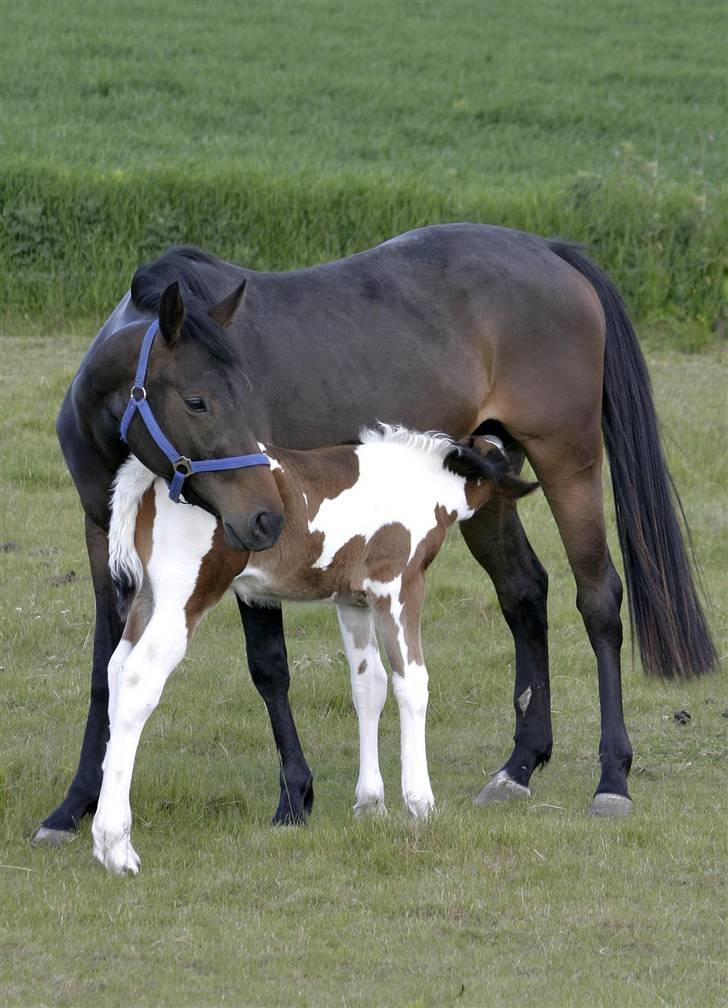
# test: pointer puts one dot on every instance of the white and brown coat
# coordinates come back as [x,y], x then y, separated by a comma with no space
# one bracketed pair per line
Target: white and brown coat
[362,524]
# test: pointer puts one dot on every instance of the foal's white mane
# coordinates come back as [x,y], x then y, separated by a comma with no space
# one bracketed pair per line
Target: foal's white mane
[429,443]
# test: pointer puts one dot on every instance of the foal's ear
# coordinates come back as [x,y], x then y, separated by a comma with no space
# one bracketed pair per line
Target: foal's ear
[485,444]
[171,314]
[225,311]
[514,487]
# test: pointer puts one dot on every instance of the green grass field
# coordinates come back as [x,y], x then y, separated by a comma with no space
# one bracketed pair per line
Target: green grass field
[515,93]
[513,905]
[282,134]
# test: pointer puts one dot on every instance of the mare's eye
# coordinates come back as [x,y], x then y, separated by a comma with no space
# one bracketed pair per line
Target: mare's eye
[196,404]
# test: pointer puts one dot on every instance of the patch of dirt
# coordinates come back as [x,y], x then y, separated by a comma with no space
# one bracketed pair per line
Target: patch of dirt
[10,547]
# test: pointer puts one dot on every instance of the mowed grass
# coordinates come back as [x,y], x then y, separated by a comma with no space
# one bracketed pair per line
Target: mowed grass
[458,92]
[523,905]
[281,134]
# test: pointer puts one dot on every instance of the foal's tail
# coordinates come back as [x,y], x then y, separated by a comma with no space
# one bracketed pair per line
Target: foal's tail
[664,607]
[131,483]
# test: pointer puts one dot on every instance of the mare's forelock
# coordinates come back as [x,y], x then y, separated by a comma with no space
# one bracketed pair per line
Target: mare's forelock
[182,264]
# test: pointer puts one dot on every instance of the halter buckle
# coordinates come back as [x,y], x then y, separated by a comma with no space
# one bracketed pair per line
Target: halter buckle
[138,393]
[183,466]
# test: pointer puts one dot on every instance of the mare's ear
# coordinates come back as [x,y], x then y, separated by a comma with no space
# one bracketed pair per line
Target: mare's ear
[225,311]
[171,314]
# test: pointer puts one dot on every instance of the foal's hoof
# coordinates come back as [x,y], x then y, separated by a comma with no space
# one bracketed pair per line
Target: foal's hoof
[502,788]
[375,809]
[612,805]
[45,837]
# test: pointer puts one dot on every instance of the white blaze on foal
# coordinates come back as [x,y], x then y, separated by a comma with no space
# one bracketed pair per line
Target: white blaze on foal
[362,524]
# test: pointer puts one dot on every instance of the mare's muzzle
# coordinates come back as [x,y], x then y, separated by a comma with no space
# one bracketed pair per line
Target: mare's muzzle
[256,532]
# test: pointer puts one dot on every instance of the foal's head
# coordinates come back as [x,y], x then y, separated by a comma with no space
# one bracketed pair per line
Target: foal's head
[487,471]
[200,399]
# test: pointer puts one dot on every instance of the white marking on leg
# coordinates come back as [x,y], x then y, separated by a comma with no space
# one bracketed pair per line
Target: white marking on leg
[369,692]
[525,699]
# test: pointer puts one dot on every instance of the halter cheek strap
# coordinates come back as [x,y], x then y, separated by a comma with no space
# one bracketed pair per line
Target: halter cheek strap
[181,465]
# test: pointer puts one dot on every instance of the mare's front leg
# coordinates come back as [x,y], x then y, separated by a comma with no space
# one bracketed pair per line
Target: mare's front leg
[138,679]
[369,692]
[496,538]
[62,824]
[268,664]
[398,607]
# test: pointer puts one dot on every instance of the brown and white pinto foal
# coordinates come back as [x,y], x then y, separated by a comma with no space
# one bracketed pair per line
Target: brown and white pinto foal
[362,524]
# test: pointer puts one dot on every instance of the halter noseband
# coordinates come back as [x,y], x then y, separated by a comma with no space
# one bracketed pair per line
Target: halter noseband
[182,466]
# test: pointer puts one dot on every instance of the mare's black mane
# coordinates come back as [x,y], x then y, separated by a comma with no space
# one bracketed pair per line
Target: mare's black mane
[181,263]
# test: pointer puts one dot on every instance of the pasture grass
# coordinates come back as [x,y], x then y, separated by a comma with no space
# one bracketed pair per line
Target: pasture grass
[282,134]
[521,905]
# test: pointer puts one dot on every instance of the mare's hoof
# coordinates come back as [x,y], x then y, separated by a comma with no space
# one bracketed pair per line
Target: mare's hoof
[288,818]
[612,805]
[45,837]
[502,788]
[295,813]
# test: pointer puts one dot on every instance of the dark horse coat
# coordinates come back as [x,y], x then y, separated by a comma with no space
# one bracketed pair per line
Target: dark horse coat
[462,328]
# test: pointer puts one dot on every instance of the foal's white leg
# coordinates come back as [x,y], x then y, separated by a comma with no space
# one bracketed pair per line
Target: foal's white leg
[115,669]
[369,691]
[139,685]
[409,681]
[411,692]
[181,538]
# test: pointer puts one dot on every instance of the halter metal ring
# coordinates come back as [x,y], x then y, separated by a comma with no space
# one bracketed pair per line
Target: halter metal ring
[183,466]
[138,393]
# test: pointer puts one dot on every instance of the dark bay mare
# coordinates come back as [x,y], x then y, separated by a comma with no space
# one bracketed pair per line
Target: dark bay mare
[461,328]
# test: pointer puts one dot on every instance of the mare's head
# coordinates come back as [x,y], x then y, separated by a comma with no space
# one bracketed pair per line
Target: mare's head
[199,397]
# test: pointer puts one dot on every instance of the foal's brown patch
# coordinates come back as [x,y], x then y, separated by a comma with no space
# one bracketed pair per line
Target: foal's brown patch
[220,565]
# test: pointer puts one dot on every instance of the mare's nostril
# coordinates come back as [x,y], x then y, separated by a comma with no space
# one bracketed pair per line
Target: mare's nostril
[259,532]
[265,527]
[264,523]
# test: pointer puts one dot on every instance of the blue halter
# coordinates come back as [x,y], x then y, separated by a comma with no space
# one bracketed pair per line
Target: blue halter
[182,466]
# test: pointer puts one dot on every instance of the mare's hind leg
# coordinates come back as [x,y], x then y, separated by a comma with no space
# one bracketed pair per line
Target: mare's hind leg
[369,692]
[268,664]
[62,824]
[498,542]
[574,492]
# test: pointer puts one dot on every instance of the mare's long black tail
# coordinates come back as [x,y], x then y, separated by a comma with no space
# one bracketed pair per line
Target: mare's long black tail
[665,611]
